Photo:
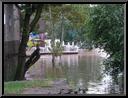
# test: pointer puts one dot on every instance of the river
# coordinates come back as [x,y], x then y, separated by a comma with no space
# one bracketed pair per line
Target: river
[83,70]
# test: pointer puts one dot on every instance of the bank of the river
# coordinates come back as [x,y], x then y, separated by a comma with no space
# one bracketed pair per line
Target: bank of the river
[17,87]
[59,86]
[56,88]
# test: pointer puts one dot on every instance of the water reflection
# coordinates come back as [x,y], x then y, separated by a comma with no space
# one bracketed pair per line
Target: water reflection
[82,70]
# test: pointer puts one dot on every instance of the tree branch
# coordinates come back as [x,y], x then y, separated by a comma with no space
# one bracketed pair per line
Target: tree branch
[18,7]
[36,18]
[33,59]
[28,13]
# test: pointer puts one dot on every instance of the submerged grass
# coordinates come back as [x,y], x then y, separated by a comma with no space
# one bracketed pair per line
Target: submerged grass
[16,87]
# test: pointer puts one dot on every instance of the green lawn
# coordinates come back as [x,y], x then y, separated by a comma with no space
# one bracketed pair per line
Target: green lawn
[16,87]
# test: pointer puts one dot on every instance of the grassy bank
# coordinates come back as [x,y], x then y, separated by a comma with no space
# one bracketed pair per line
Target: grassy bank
[16,87]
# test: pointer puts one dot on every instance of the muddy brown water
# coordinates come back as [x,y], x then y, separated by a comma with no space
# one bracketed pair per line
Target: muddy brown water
[83,70]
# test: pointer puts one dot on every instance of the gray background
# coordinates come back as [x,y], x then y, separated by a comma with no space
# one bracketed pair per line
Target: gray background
[60,1]
[125,49]
[0,48]
[64,0]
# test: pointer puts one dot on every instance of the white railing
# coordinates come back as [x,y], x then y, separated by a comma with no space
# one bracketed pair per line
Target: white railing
[68,48]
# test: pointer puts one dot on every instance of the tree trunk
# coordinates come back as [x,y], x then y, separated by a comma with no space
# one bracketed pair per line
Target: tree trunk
[53,37]
[27,28]
[62,25]
[22,48]
[21,59]
[53,60]
[32,60]
[62,30]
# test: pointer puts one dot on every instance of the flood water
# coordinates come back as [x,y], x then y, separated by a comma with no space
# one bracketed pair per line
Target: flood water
[84,70]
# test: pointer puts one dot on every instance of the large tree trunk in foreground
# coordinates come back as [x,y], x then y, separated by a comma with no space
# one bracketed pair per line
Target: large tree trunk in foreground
[27,28]
[21,59]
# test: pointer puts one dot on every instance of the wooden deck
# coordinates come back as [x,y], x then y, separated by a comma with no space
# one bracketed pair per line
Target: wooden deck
[64,53]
